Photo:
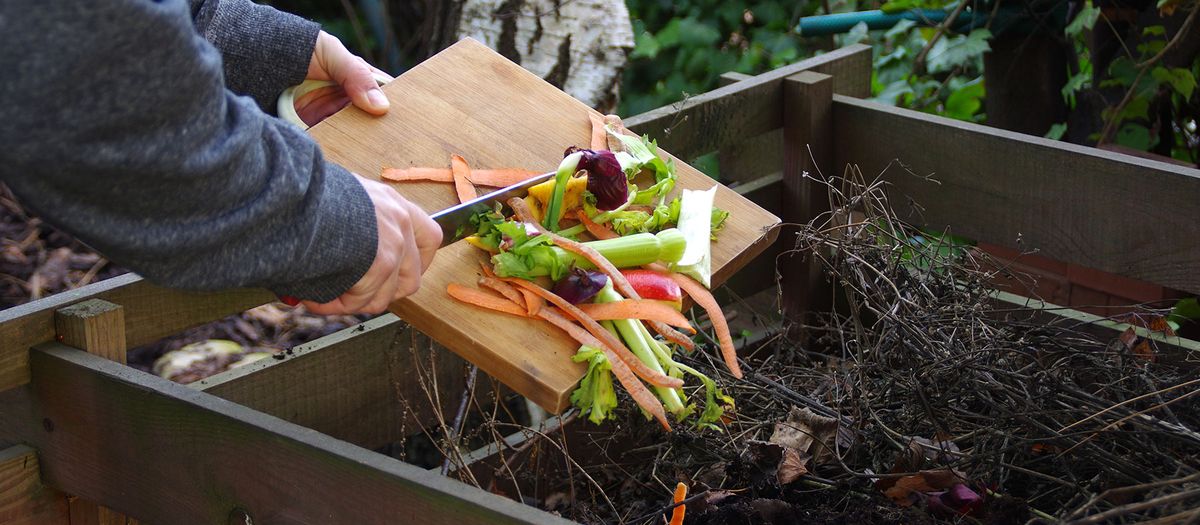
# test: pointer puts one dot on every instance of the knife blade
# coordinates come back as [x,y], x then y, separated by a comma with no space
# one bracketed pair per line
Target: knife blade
[456,220]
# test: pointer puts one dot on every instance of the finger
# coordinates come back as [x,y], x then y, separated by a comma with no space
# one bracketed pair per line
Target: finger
[385,295]
[334,307]
[411,268]
[428,235]
[355,76]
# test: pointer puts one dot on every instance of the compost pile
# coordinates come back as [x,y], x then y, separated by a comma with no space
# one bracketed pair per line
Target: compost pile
[921,400]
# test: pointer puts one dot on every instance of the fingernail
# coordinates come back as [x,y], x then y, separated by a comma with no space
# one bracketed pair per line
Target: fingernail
[377,98]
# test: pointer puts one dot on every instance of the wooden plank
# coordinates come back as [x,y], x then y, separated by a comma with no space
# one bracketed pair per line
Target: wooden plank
[759,274]
[1171,349]
[151,313]
[1103,210]
[97,327]
[752,157]
[730,114]
[808,154]
[177,455]
[23,498]
[357,385]
[470,100]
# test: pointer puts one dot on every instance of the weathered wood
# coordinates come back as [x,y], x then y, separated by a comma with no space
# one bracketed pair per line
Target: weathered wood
[752,157]
[749,108]
[471,101]
[151,313]
[1103,210]
[808,153]
[97,327]
[1171,349]
[23,498]
[357,385]
[759,274]
[177,455]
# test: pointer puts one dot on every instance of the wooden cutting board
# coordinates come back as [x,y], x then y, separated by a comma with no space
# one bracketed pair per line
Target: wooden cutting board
[470,100]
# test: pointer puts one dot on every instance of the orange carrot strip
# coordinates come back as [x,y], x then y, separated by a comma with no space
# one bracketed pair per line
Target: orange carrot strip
[501,177]
[598,231]
[636,309]
[620,370]
[609,340]
[414,174]
[498,178]
[618,279]
[705,299]
[680,495]
[504,289]
[482,299]
[533,302]
[461,171]
[599,136]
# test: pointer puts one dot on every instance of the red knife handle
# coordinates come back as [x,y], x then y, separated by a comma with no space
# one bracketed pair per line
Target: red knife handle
[289,300]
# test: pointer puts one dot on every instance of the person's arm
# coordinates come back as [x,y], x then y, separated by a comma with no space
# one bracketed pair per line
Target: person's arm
[118,128]
[264,50]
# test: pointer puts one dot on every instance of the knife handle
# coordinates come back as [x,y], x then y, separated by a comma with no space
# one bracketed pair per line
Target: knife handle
[289,300]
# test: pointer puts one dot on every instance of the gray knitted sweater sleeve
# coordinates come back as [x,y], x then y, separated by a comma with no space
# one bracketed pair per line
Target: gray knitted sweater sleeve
[123,125]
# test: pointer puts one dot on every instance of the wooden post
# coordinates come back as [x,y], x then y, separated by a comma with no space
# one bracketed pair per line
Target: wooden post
[97,327]
[808,155]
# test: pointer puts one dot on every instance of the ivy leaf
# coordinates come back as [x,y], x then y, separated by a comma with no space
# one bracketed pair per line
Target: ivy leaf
[964,102]
[893,91]
[1154,30]
[645,46]
[856,34]
[949,53]
[1075,83]
[1085,20]
[694,33]
[1180,79]
[1057,131]
[1135,136]
[1185,310]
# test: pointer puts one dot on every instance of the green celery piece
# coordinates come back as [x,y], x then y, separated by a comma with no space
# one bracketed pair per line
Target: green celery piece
[566,168]
[595,395]
[695,221]
[628,329]
[534,257]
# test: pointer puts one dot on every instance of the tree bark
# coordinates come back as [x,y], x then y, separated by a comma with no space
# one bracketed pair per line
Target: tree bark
[579,46]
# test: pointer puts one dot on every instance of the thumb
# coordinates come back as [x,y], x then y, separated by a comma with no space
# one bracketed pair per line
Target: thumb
[355,76]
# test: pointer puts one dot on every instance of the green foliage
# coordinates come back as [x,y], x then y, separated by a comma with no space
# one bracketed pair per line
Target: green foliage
[681,48]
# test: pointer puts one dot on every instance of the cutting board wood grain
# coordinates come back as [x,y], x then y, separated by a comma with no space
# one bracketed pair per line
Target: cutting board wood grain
[472,101]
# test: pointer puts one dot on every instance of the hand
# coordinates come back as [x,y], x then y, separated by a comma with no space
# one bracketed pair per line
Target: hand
[353,75]
[408,239]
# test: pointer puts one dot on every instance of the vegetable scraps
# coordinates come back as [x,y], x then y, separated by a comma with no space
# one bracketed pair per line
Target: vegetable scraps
[571,254]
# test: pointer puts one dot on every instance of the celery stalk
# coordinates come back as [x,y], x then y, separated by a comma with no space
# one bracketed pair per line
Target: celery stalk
[629,331]
[566,168]
[695,221]
[623,252]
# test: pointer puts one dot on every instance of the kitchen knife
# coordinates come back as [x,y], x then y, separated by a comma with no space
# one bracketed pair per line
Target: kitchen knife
[456,220]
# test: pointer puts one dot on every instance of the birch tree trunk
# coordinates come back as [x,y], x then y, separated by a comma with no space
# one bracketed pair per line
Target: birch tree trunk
[580,46]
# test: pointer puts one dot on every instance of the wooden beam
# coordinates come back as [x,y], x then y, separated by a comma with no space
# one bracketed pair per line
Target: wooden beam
[176,455]
[1103,210]
[151,313]
[357,385]
[23,498]
[97,327]
[712,120]
[808,155]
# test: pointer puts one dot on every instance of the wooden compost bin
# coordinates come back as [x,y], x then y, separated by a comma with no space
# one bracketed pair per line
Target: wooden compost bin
[289,441]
